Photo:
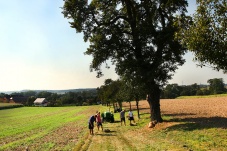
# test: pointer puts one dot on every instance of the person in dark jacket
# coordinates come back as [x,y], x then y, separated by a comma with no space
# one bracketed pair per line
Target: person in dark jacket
[91,121]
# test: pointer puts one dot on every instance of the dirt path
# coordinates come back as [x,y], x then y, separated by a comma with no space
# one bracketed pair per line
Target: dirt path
[112,140]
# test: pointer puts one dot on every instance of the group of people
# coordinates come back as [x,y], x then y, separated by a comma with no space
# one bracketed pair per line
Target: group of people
[95,118]
[130,117]
[98,120]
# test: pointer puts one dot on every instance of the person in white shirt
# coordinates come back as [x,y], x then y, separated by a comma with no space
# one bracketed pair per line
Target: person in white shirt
[131,117]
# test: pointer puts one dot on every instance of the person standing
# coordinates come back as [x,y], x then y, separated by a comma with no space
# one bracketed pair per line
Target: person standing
[99,121]
[131,117]
[122,116]
[91,121]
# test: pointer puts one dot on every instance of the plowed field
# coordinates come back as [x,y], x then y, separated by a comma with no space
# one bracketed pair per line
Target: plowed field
[207,111]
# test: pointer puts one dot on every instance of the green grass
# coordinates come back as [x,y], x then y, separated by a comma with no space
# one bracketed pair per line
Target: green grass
[9,105]
[35,122]
[202,96]
[65,128]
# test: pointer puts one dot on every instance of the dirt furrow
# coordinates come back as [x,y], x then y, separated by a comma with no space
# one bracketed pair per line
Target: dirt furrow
[114,139]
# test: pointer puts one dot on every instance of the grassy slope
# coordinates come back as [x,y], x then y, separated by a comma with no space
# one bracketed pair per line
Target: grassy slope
[166,136]
[65,128]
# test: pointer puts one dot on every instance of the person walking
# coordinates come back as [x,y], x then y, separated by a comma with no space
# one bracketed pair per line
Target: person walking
[91,121]
[99,121]
[122,116]
[131,117]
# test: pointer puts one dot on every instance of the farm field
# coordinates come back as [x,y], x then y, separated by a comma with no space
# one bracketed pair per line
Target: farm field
[9,105]
[196,124]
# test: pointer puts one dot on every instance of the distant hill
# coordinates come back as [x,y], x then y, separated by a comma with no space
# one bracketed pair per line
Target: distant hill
[52,91]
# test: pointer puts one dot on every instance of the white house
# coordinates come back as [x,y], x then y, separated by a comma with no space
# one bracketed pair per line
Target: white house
[40,102]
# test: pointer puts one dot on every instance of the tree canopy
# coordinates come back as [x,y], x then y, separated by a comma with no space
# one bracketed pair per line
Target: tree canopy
[217,86]
[136,35]
[205,33]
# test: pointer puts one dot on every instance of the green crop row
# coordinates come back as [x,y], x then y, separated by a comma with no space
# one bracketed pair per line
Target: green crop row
[25,125]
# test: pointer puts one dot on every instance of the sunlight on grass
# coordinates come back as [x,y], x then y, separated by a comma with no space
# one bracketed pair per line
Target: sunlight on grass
[205,96]
[65,128]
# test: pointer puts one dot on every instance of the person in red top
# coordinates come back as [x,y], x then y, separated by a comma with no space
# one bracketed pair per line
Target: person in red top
[99,121]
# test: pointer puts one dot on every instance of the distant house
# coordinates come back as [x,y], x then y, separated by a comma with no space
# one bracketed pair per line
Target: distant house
[40,102]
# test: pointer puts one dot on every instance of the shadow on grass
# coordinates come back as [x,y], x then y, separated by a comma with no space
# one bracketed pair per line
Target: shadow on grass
[144,114]
[196,123]
[107,133]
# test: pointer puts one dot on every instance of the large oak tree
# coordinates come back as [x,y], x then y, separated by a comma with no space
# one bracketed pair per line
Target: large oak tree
[137,36]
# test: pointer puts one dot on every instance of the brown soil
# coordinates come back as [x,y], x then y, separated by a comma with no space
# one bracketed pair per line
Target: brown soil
[210,112]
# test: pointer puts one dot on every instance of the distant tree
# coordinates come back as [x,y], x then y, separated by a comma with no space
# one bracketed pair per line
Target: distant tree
[89,97]
[190,90]
[29,93]
[58,102]
[104,92]
[68,98]
[79,100]
[44,94]
[2,95]
[30,101]
[171,91]
[115,87]
[17,94]
[130,90]
[102,95]
[216,86]
[205,33]
[136,35]
[52,99]
[110,91]
[203,91]
[199,92]
[194,88]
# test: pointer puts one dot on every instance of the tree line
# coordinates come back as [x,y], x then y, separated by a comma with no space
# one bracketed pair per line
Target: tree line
[113,93]
[215,86]
[88,97]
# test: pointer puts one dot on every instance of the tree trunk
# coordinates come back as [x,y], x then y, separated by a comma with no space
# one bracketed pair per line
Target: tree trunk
[137,106]
[154,102]
[130,106]
[120,104]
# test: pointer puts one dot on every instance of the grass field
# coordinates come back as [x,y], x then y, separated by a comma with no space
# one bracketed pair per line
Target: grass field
[189,124]
[43,128]
[9,105]
[202,96]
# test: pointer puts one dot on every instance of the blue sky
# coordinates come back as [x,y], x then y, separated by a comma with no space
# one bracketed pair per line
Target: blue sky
[39,50]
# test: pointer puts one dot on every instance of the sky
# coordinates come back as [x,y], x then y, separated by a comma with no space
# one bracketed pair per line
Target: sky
[40,51]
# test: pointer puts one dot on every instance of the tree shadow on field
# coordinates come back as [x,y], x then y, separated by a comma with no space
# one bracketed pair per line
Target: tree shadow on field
[196,123]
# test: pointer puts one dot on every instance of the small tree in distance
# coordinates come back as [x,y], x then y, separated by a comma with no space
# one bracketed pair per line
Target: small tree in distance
[216,86]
